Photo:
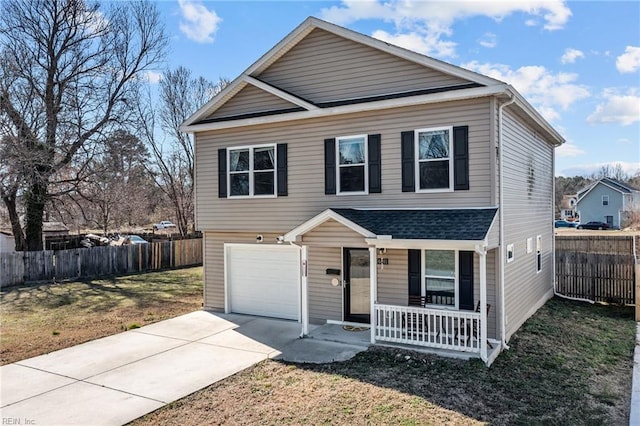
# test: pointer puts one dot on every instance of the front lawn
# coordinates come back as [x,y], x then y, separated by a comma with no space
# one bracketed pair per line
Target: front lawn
[570,364]
[38,319]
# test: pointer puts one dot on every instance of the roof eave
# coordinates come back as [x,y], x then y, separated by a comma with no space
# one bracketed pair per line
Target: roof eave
[400,243]
[454,95]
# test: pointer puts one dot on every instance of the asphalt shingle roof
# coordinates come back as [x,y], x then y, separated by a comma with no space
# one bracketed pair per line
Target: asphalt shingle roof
[442,224]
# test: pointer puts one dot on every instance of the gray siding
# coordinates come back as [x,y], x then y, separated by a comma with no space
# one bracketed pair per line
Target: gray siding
[324,67]
[306,166]
[249,100]
[214,263]
[590,207]
[325,300]
[393,286]
[333,234]
[528,212]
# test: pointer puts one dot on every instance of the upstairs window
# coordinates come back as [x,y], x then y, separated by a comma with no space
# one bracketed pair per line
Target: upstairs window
[252,171]
[352,173]
[434,168]
[605,200]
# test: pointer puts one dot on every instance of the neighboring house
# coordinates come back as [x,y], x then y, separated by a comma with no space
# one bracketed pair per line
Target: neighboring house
[342,179]
[608,200]
[568,208]
[7,242]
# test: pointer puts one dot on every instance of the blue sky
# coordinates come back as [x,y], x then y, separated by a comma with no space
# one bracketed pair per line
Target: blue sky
[578,63]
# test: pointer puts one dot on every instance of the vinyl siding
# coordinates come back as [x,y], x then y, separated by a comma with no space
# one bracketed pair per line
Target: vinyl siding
[305,141]
[325,300]
[591,209]
[528,212]
[214,263]
[333,234]
[393,285]
[324,67]
[249,100]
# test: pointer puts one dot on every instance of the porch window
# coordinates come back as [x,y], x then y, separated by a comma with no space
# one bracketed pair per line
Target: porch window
[434,169]
[352,164]
[440,272]
[252,171]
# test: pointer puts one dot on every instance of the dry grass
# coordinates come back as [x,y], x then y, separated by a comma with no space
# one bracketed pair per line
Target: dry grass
[570,364]
[42,318]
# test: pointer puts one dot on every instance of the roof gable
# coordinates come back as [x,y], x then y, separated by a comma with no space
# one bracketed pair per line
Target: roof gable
[325,67]
[612,184]
[252,100]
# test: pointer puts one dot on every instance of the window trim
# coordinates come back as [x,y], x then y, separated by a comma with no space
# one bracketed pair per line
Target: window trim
[538,254]
[366,166]
[511,252]
[251,171]
[605,200]
[417,161]
[456,279]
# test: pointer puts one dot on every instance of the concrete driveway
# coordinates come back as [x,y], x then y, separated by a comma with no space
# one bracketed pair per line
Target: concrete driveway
[116,379]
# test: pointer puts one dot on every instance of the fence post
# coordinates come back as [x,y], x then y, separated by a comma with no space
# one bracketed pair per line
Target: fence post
[637,278]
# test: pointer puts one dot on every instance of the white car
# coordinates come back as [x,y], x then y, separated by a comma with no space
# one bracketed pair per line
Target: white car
[164,225]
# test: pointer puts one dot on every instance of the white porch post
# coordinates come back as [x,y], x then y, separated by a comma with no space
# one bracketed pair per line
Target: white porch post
[304,310]
[482,253]
[373,280]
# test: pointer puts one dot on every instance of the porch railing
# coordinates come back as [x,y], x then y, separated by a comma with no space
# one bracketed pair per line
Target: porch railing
[434,328]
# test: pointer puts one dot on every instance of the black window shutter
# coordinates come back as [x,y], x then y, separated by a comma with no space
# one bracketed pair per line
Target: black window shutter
[329,166]
[408,162]
[281,169]
[222,173]
[375,164]
[415,270]
[461,158]
[465,280]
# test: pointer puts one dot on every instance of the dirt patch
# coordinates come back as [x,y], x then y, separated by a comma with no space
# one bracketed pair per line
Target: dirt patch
[571,363]
[43,318]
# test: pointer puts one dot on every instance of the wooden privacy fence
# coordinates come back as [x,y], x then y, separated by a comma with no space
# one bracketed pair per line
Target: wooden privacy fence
[49,265]
[597,268]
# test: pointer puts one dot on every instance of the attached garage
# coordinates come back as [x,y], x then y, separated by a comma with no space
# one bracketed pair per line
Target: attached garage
[263,280]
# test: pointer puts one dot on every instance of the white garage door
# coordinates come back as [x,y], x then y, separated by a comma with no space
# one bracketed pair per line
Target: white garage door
[264,280]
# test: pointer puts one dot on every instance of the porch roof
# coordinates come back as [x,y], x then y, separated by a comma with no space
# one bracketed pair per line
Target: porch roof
[468,226]
[424,224]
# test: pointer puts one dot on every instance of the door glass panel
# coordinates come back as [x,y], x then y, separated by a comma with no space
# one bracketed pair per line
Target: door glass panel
[359,288]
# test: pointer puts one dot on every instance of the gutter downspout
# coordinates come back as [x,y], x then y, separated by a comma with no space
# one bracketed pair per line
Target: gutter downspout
[503,315]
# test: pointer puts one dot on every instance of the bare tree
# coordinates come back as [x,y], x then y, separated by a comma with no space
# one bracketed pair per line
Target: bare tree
[67,73]
[180,95]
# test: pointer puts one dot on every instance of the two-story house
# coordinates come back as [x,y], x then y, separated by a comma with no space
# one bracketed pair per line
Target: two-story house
[341,179]
[610,201]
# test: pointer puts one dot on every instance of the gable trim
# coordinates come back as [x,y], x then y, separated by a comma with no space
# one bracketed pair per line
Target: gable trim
[279,93]
[321,218]
[476,92]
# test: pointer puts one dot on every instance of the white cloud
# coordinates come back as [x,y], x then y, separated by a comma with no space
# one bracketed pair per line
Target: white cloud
[199,23]
[153,77]
[570,55]
[433,21]
[418,42]
[629,61]
[617,108]
[569,149]
[589,169]
[547,91]
[488,40]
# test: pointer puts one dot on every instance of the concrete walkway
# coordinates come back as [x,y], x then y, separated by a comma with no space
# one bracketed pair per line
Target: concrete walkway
[116,379]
